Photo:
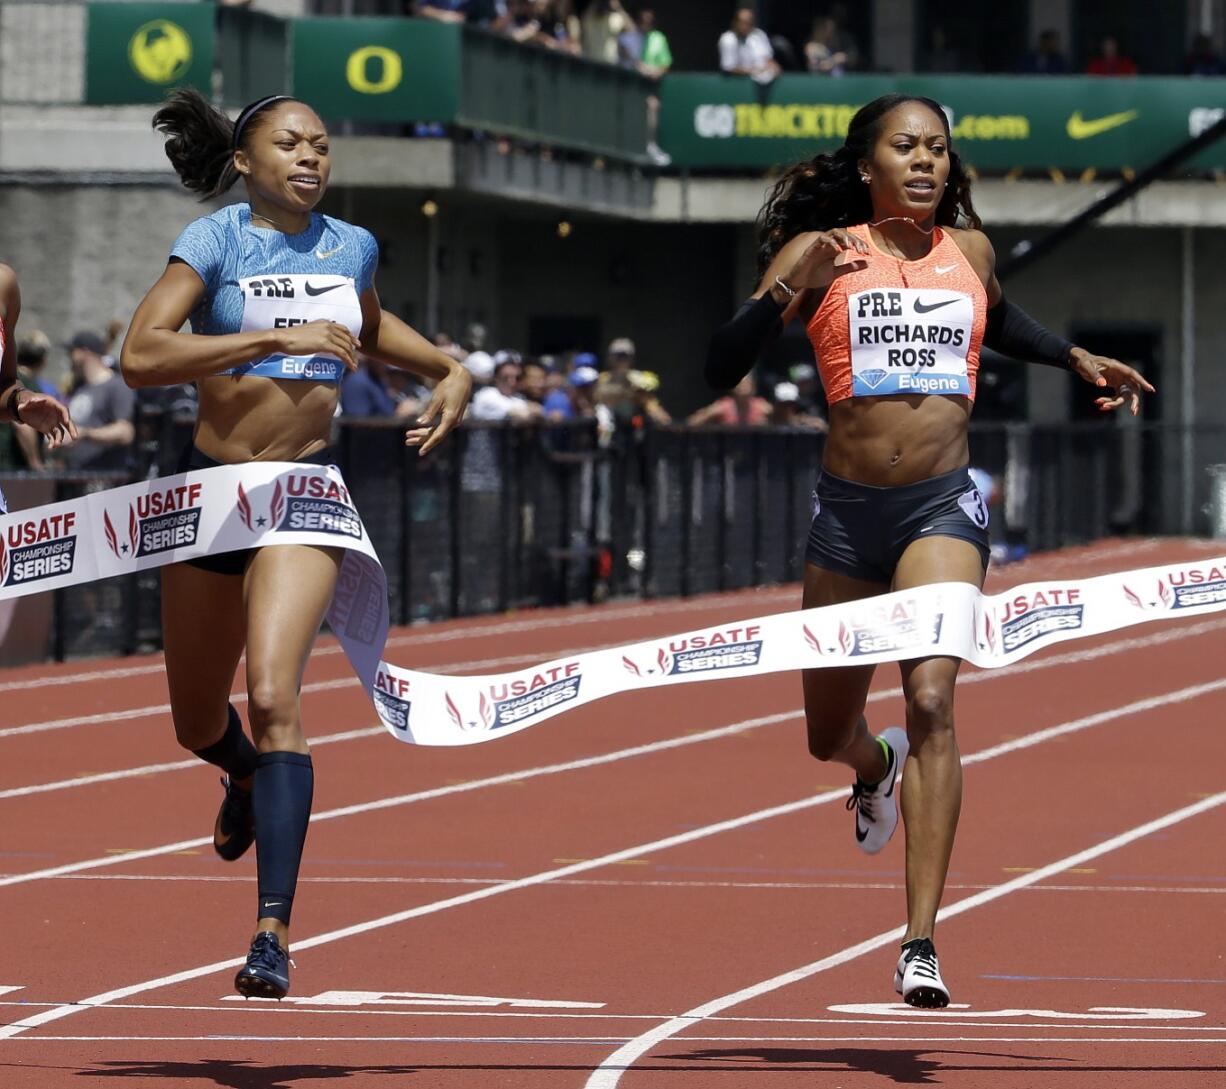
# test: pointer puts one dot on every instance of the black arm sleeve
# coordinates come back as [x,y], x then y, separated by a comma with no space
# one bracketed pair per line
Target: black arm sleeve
[735,347]
[1011,331]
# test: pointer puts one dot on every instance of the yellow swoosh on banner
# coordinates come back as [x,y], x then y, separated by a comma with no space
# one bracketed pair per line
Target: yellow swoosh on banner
[1081,129]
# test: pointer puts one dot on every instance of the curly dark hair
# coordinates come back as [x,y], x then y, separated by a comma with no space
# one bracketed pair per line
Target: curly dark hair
[826,191]
[200,139]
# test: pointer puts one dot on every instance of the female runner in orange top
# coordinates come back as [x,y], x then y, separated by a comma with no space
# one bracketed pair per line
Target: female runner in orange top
[877,249]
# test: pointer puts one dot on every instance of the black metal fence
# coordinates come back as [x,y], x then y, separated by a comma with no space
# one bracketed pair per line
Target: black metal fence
[504,517]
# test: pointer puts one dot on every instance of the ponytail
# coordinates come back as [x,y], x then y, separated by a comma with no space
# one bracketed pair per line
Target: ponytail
[826,191]
[201,140]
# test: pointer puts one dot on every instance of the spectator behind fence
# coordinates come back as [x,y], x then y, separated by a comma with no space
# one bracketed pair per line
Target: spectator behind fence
[645,405]
[21,447]
[367,392]
[443,11]
[602,22]
[646,50]
[502,400]
[787,411]
[822,55]
[942,55]
[742,407]
[1202,58]
[560,25]
[102,405]
[614,390]
[1110,61]
[1048,58]
[532,382]
[745,50]
[577,399]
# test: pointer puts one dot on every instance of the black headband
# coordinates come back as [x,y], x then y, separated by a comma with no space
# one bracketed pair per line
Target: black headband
[248,112]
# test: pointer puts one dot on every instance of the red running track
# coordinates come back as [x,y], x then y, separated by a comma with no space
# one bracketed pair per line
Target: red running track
[660,890]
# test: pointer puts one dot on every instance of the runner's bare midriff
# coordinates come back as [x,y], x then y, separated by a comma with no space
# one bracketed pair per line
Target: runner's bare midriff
[887,442]
[263,419]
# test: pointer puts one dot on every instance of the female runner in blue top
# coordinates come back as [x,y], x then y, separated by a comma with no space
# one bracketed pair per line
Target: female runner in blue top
[280,297]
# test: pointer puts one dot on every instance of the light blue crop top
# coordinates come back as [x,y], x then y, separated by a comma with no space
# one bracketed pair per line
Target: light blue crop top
[263,279]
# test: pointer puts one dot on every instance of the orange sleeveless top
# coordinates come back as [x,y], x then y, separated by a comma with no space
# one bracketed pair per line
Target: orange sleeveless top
[898,326]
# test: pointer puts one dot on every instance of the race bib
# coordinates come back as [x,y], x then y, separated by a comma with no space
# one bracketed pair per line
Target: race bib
[910,340]
[281,302]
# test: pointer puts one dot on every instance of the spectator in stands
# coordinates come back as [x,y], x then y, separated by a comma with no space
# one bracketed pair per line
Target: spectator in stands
[645,49]
[742,407]
[646,407]
[532,381]
[33,350]
[502,400]
[575,401]
[559,26]
[614,390]
[804,377]
[602,23]
[444,11]
[1110,61]
[822,57]
[21,447]
[1202,58]
[1048,58]
[745,50]
[368,392]
[521,23]
[787,411]
[102,406]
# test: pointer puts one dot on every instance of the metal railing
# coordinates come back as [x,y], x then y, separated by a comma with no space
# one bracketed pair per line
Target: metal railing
[503,517]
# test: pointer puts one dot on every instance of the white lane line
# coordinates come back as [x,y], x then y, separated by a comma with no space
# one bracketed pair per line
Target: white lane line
[594,1041]
[640,851]
[754,886]
[419,796]
[549,619]
[301,1007]
[1138,707]
[609,1073]
[1087,654]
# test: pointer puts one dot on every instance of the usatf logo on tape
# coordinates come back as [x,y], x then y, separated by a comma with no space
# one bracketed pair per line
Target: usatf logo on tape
[162,520]
[513,702]
[877,629]
[1198,586]
[1028,617]
[308,503]
[38,548]
[391,695]
[728,648]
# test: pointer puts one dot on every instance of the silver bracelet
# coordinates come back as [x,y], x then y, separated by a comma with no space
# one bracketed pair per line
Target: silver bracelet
[790,292]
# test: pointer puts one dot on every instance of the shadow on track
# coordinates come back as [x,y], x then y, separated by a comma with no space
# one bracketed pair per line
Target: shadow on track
[237,1073]
[905,1066]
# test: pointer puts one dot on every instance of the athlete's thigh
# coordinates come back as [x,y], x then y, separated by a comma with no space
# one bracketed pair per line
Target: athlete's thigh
[288,591]
[203,630]
[925,561]
[836,695]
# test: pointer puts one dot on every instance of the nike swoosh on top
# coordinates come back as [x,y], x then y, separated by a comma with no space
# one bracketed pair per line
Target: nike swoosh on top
[321,290]
[1080,129]
[920,307]
[940,270]
[323,255]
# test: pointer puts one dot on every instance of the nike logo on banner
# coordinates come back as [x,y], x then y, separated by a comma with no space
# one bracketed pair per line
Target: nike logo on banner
[940,270]
[1081,129]
[920,307]
[323,255]
[322,290]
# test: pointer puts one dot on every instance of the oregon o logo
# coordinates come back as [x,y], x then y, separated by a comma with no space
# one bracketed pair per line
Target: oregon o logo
[374,70]
[160,51]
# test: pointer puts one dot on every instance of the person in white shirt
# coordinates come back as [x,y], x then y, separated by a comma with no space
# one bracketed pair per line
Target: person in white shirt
[745,50]
[502,401]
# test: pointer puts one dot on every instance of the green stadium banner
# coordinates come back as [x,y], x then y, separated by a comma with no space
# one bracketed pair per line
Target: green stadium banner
[378,69]
[1000,123]
[136,52]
